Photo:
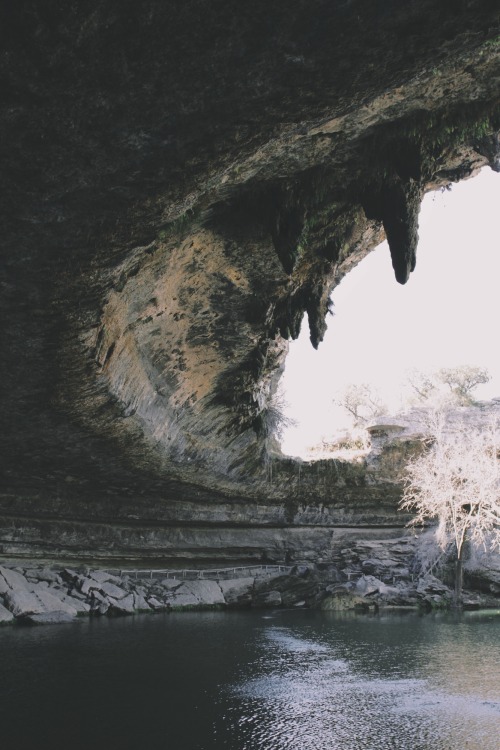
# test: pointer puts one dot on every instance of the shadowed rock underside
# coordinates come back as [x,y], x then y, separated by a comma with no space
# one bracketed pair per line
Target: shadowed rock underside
[180,183]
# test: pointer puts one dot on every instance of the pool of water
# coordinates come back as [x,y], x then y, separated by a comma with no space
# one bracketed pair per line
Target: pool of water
[281,680]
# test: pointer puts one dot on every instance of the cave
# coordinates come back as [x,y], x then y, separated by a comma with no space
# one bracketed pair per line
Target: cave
[181,182]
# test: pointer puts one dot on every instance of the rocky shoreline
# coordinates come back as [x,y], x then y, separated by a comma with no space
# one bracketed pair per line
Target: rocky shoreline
[38,595]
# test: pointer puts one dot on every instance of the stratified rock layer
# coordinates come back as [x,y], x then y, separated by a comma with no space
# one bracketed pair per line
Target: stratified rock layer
[180,183]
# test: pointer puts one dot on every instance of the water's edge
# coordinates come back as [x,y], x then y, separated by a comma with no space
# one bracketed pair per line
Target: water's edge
[41,595]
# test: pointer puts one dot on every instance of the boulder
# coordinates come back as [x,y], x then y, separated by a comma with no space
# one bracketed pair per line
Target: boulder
[483,575]
[140,603]
[110,589]
[14,579]
[156,604]
[267,599]
[170,583]
[291,589]
[5,615]
[123,606]
[43,574]
[390,593]
[478,600]
[75,594]
[23,602]
[4,586]
[205,593]
[297,588]
[86,585]
[82,608]
[431,585]
[368,585]
[39,600]
[69,575]
[180,599]
[237,592]
[100,576]
[54,601]
[96,596]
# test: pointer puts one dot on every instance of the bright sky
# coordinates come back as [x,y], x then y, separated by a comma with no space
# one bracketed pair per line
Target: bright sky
[446,315]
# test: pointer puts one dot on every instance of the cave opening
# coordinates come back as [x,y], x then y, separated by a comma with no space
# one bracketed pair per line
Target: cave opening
[445,316]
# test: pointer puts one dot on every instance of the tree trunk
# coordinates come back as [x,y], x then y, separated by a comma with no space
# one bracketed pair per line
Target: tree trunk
[459,577]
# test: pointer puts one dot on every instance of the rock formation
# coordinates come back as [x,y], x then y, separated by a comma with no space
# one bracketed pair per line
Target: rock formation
[180,183]
[40,595]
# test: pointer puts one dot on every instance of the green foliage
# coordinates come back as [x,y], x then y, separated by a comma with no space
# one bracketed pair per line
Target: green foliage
[495,42]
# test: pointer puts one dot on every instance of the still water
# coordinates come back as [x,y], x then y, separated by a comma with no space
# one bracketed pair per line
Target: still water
[254,681]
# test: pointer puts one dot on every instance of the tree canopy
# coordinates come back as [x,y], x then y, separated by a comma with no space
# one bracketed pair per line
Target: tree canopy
[362,402]
[463,380]
[427,387]
[455,481]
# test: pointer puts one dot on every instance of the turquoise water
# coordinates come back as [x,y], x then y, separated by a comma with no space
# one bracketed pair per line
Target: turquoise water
[255,681]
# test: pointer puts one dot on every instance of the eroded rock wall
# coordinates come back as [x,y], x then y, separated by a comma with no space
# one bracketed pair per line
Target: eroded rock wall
[180,183]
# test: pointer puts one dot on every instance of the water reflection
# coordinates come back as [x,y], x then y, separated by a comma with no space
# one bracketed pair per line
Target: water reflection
[251,681]
[372,684]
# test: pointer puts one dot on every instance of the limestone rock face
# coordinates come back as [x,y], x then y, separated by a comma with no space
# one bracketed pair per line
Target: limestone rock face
[180,183]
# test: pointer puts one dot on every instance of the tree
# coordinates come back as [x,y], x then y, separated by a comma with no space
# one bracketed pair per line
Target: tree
[456,481]
[423,385]
[427,387]
[462,380]
[362,402]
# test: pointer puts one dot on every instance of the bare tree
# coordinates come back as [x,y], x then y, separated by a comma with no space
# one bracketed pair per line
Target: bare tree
[423,385]
[463,380]
[362,402]
[427,387]
[456,482]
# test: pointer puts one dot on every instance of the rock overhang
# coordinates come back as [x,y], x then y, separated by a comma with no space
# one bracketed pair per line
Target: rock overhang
[181,185]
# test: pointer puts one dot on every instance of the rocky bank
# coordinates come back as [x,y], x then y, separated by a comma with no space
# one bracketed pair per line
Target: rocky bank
[364,579]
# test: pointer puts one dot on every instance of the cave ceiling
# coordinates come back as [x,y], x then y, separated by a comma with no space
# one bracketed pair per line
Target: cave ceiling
[180,182]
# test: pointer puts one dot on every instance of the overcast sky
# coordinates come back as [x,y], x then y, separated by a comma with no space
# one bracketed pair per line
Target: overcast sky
[447,314]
